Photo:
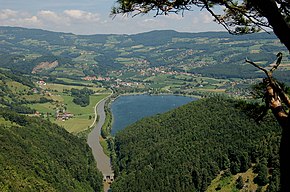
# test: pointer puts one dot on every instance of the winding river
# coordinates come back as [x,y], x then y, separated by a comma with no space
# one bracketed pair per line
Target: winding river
[103,161]
[131,104]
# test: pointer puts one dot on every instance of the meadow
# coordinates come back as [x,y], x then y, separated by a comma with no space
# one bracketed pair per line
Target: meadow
[61,100]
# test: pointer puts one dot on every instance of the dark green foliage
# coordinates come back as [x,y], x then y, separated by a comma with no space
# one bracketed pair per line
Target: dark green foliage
[36,155]
[106,62]
[262,170]
[81,96]
[274,182]
[184,149]
[240,182]
[82,100]
[21,109]
[18,77]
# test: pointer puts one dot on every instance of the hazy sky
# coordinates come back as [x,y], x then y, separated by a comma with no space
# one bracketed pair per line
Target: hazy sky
[93,17]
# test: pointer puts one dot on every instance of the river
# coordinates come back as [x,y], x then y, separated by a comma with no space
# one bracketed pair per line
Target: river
[130,107]
[103,161]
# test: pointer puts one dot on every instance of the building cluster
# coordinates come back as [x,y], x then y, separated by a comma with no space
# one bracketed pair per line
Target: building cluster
[94,78]
[63,115]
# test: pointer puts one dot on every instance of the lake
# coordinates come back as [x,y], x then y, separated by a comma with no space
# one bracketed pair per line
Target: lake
[131,108]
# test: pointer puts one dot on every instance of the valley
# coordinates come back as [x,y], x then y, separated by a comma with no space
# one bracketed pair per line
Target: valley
[61,77]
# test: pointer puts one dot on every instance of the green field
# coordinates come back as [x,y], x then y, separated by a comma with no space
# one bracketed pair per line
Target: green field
[81,120]
[83,117]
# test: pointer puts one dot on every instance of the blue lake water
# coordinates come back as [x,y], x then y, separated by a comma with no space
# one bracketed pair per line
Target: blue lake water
[129,109]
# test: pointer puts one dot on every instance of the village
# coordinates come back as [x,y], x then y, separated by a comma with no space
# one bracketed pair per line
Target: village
[60,110]
[165,79]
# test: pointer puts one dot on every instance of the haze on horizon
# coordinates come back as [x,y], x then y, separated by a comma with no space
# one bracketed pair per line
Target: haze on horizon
[93,17]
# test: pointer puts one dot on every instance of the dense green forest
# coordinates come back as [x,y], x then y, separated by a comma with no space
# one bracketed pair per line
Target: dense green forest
[81,97]
[36,155]
[186,148]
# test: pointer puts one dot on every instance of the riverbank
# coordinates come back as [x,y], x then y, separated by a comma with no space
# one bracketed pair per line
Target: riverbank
[100,142]
[93,140]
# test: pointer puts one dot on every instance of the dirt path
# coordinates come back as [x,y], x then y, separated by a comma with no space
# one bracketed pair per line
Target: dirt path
[103,161]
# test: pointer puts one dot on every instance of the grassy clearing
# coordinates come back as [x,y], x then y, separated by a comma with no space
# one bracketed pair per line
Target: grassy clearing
[75,125]
[81,120]
[43,107]
[76,81]
[16,87]
[83,116]
[228,184]
[85,58]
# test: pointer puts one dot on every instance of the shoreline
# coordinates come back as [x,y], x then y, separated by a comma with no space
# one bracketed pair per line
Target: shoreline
[93,140]
[129,94]
[142,94]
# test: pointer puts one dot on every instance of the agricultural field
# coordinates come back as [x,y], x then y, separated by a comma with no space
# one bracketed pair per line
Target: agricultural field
[84,116]
[79,118]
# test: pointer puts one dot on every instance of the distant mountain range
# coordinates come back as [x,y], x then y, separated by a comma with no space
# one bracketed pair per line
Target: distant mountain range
[217,54]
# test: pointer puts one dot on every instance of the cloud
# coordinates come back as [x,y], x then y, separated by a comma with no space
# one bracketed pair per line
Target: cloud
[16,18]
[174,17]
[206,18]
[31,20]
[49,15]
[50,20]
[7,13]
[79,21]
[82,16]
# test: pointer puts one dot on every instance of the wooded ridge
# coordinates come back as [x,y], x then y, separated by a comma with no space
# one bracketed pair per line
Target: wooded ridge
[186,148]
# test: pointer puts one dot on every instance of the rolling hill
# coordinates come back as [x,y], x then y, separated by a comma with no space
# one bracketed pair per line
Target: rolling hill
[207,53]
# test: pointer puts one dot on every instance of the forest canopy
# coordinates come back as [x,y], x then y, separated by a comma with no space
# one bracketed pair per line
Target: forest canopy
[37,155]
[186,148]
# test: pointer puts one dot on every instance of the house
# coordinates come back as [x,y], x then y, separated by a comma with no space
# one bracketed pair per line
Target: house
[63,116]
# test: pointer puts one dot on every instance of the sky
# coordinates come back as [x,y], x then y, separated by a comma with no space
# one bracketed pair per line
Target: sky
[84,17]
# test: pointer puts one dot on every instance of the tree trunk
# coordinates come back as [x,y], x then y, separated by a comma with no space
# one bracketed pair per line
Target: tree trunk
[273,100]
[269,9]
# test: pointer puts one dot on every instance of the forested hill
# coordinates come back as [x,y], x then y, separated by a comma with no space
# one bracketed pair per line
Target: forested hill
[36,155]
[185,149]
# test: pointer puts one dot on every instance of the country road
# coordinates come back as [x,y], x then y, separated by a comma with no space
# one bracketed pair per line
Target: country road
[103,161]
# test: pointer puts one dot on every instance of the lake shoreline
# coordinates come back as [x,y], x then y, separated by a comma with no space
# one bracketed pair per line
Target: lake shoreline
[166,102]
[159,94]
